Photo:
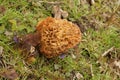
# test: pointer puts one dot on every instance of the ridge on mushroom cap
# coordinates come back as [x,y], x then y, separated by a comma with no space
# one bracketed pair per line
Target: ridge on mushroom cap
[57,36]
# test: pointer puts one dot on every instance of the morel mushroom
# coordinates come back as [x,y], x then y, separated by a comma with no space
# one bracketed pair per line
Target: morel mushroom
[52,37]
[57,36]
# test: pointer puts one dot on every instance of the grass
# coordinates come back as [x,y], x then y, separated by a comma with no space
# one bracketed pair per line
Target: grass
[101,31]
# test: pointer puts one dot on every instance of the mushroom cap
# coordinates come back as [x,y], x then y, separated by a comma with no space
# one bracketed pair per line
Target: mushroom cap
[57,36]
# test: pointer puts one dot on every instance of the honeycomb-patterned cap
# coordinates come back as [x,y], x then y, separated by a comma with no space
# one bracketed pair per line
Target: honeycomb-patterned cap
[57,36]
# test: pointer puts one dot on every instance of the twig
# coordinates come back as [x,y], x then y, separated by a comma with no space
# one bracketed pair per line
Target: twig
[106,52]
[54,3]
[91,70]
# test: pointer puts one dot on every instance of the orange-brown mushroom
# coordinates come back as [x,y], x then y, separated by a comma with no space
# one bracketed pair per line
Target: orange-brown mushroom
[53,37]
[57,36]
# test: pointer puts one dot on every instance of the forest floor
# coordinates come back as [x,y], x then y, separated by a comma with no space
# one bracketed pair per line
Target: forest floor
[97,57]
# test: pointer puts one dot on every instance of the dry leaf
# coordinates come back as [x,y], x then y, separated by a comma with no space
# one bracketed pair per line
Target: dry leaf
[2,9]
[29,40]
[84,1]
[31,60]
[56,66]
[78,75]
[32,49]
[8,33]
[117,63]
[58,12]
[10,74]
[73,56]
[64,14]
